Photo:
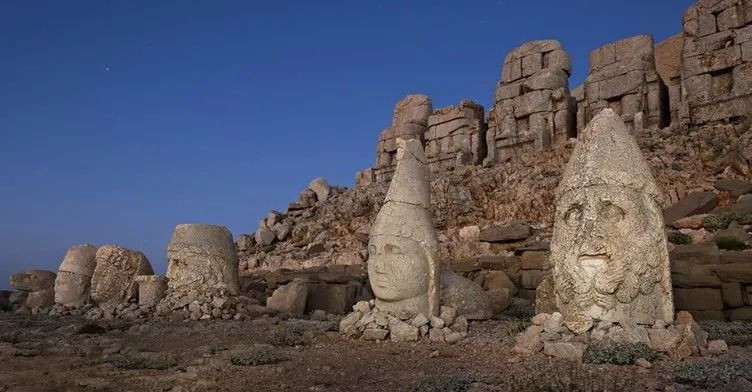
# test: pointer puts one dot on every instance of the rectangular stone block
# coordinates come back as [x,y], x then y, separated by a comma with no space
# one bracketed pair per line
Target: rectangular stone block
[631,104]
[640,46]
[532,102]
[558,59]
[730,18]
[532,63]
[712,61]
[741,83]
[710,43]
[733,294]
[511,71]
[743,313]
[718,315]
[706,24]
[721,110]
[602,56]
[698,299]
[746,51]
[737,272]
[532,278]
[687,275]
[698,88]
[621,85]
[508,91]
[534,260]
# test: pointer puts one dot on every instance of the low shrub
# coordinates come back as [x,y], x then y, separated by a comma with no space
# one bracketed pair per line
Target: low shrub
[729,243]
[262,355]
[452,382]
[738,333]
[287,335]
[678,238]
[620,354]
[713,374]
[524,313]
[131,363]
[91,329]
[722,221]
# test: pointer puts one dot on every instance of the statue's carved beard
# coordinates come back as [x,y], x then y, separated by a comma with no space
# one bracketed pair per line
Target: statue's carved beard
[587,280]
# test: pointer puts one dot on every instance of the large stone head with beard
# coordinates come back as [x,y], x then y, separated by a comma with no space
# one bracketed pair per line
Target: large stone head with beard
[403,265]
[608,250]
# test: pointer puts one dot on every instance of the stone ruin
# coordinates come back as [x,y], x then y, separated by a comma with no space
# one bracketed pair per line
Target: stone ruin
[623,77]
[114,279]
[715,68]
[532,102]
[410,121]
[36,288]
[455,137]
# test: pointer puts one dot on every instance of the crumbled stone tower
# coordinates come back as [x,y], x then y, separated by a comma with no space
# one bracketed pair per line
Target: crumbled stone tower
[532,102]
[456,136]
[410,121]
[623,77]
[716,70]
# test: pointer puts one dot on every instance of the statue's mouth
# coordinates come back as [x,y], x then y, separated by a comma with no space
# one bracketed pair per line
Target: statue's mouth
[593,263]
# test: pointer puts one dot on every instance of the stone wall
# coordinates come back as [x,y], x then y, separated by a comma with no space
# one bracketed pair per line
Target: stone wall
[532,103]
[623,77]
[716,70]
[456,136]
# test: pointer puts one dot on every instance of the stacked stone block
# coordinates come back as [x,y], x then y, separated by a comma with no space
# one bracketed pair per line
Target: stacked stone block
[623,77]
[716,69]
[410,121]
[532,102]
[456,136]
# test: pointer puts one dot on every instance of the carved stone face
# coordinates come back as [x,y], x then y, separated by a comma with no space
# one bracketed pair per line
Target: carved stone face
[397,268]
[607,250]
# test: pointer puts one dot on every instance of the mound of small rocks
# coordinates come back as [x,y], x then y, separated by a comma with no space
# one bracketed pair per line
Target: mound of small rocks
[369,323]
[549,334]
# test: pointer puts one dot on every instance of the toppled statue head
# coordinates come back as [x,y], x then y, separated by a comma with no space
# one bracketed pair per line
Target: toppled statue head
[403,265]
[608,250]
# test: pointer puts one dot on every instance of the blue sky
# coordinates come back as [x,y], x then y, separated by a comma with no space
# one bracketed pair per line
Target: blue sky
[121,119]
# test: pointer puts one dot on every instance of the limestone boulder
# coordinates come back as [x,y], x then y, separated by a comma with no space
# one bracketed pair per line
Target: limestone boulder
[114,279]
[32,280]
[514,231]
[73,281]
[202,258]
[321,188]
[290,298]
[151,289]
[466,296]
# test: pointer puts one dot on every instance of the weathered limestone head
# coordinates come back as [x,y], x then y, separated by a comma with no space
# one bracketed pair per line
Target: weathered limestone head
[74,275]
[202,257]
[608,249]
[403,265]
[32,280]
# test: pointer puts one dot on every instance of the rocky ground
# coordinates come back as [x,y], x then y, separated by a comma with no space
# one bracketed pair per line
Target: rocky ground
[41,353]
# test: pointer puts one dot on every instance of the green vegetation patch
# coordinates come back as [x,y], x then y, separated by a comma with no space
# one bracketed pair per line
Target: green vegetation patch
[620,354]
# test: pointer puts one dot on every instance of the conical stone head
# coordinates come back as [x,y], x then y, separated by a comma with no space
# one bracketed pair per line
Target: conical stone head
[608,249]
[403,248]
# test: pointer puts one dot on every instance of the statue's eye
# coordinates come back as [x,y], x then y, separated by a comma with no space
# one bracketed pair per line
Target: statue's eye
[611,212]
[393,249]
[573,214]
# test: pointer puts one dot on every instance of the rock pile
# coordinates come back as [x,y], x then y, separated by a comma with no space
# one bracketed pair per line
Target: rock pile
[550,335]
[456,137]
[368,323]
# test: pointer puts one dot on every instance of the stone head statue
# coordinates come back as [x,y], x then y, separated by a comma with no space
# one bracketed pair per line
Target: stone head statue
[608,250]
[403,265]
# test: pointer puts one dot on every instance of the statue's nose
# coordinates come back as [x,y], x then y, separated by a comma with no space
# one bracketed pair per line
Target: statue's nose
[592,238]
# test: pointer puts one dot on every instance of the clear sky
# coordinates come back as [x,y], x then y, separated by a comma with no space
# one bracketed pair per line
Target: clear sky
[121,119]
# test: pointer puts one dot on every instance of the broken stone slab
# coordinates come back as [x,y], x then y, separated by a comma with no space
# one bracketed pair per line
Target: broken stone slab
[114,279]
[571,351]
[734,187]
[265,237]
[514,231]
[692,204]
[290,298]
[321,188]
[202,258]
[151,289]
